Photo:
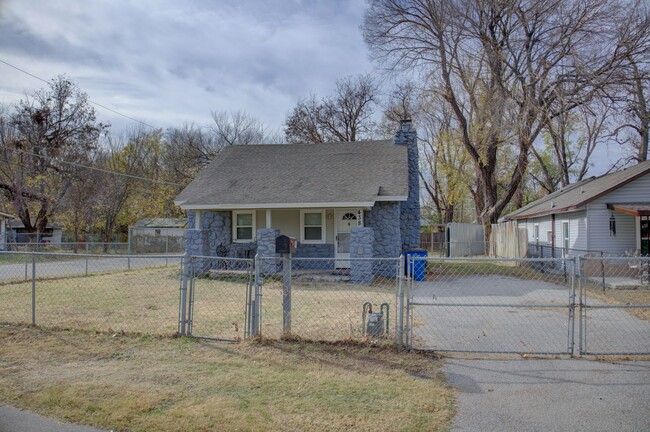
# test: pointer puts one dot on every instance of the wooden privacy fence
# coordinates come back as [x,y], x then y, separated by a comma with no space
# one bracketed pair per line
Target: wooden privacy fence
[507,240]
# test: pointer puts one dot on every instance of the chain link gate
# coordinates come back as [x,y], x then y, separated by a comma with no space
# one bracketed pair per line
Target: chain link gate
[221,298]
[486,305]
[614,305]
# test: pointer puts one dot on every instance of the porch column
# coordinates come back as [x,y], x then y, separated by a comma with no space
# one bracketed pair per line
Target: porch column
[361,246]
[268,219]
[270,262]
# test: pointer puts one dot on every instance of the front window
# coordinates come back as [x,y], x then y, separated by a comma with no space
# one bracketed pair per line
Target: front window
[243,226]
[645,235]
[312,226]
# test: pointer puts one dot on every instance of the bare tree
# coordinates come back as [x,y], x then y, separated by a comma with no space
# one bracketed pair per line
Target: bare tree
[41,140]
[345,116]
[443,162]
[632,87]
[190,147]
[500,66]
[240,128]
[402,103]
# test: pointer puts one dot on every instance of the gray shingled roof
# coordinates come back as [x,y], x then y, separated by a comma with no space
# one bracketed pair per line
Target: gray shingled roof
[575,196]
[300,175]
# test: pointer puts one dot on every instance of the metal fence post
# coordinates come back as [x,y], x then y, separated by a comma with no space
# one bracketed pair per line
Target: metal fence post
[33,289]
[399,334]
[286,294]
[409,259]
[572,309]
[256,308]
[182,306]
[581,310]
[190,302]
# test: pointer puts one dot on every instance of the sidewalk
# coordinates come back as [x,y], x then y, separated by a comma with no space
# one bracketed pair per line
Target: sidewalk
[15,420]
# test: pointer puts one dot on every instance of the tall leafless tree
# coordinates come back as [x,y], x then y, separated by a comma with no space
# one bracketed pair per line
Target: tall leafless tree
[500,66]
[345,116]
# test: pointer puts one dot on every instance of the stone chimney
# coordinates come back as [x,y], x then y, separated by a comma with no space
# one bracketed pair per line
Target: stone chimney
[410,209]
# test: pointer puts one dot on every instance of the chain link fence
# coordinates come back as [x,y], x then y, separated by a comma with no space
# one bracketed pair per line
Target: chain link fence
[491,305]
[581,305]
[311,298]
[91,292]
[615,305]
[307,298]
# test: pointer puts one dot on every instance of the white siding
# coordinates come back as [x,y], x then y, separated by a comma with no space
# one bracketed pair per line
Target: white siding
[577,231]
[626,230]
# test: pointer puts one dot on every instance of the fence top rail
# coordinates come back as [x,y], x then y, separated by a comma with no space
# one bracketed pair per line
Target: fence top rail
[331,259]
[79,255]
[218,258]
[487,259]
[625,259]
[66,243]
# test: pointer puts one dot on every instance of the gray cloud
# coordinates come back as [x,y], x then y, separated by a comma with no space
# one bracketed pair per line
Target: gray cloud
[168,61]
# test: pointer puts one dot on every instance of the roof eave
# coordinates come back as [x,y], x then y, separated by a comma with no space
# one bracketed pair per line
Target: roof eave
[354,204]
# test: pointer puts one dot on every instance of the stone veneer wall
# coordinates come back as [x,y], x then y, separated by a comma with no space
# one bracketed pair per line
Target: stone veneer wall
[384,219]
[410,209]
[215,229]
[361,246]
[266,249]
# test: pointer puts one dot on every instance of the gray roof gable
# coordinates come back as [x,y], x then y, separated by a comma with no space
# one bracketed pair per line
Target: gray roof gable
[300,175]
[577,195]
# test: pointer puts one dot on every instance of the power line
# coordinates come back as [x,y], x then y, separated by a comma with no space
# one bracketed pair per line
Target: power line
[98,169]
[89,100]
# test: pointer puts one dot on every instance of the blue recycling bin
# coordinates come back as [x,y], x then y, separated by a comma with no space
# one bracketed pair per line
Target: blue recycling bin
[418,266]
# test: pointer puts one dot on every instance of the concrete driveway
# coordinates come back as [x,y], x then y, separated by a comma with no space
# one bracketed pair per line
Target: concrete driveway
[491,313]
[550,395]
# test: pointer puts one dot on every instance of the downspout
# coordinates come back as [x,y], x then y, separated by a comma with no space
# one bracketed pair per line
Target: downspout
[553,236]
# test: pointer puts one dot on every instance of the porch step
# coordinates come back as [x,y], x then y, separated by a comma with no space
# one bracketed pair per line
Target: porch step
[219,273]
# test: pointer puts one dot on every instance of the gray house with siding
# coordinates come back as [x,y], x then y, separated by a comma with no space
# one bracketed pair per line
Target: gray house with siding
[338,200]
[608,214]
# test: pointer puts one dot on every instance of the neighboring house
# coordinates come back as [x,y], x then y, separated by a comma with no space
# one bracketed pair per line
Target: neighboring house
[338,200]
[157,235]
[609,214]
[172,227]
[52,234]
[5,229]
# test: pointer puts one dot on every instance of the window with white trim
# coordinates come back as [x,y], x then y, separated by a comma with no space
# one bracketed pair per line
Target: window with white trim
[243,226]
[312,226]
[536,233]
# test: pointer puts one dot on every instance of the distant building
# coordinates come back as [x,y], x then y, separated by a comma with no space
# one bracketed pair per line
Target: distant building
[19,234]
[5,229]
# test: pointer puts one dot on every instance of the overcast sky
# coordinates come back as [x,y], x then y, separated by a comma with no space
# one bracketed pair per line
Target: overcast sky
[166,62]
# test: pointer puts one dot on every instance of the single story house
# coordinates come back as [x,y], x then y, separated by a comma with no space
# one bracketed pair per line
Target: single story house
[157,235]
[51,235]
[338,200]
[608,214]
[5,229]
[172,227]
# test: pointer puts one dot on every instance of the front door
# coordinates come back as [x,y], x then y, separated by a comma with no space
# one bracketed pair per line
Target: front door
[345,221]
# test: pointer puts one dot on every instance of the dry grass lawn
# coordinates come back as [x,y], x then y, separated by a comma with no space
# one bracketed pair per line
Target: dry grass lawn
[124,382]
